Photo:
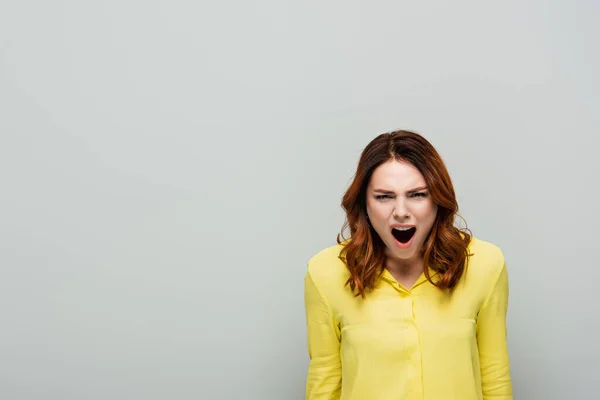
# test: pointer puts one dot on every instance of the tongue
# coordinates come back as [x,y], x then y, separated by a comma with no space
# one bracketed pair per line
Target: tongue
[403,236]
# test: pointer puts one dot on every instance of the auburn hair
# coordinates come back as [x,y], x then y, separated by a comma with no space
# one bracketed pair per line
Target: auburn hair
[445,249]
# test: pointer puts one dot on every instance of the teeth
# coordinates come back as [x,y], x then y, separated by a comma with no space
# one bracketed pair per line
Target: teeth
[402,229]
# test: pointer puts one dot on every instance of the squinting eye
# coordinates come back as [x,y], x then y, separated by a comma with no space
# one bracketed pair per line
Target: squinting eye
[381,197]
[422,194]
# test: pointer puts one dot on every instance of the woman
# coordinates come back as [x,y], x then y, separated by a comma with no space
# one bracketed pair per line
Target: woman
[410,306]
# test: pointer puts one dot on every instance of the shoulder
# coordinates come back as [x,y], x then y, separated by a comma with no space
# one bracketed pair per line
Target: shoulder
[485,263]
[326,269]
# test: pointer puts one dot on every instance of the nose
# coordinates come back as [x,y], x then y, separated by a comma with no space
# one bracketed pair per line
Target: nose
[400,210]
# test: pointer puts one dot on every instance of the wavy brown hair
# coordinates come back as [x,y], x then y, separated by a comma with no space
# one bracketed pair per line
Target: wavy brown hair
[445,249]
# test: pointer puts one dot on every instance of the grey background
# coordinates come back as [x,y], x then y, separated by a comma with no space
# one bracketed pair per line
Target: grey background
[168,168]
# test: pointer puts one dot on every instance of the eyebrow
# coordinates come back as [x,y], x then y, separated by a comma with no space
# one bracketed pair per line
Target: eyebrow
[410,191]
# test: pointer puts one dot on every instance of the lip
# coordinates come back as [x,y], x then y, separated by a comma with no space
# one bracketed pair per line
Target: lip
[404,245]
[402,226]
[399,244]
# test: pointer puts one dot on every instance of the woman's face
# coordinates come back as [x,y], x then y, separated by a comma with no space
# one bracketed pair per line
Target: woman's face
[397,195]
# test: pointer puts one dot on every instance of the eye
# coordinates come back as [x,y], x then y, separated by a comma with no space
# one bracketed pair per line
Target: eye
[420,194]
[382,197]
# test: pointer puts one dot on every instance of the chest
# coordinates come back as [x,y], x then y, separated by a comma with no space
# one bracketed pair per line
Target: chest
[426,311]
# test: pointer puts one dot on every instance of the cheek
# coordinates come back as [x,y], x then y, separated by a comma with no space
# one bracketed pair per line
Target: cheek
[426,212]
[379,217]
[377,211]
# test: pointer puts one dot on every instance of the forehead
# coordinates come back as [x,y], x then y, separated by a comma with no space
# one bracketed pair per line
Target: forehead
[396,175]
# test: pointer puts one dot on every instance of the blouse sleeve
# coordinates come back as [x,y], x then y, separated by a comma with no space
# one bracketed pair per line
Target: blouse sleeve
[491,340]
[324,372]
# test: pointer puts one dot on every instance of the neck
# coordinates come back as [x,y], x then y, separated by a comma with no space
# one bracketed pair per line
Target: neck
[399,267]
[405,272]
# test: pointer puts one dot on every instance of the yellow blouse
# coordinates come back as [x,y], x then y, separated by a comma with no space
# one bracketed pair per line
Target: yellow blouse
[408,344]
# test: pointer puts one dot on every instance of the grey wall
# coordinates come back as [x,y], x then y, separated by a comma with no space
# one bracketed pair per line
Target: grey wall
[167,169]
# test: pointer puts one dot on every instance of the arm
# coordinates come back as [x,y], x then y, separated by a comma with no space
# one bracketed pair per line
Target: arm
[325,370]
[491,340]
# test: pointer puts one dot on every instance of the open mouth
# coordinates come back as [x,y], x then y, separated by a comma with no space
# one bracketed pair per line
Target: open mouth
[404,236]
